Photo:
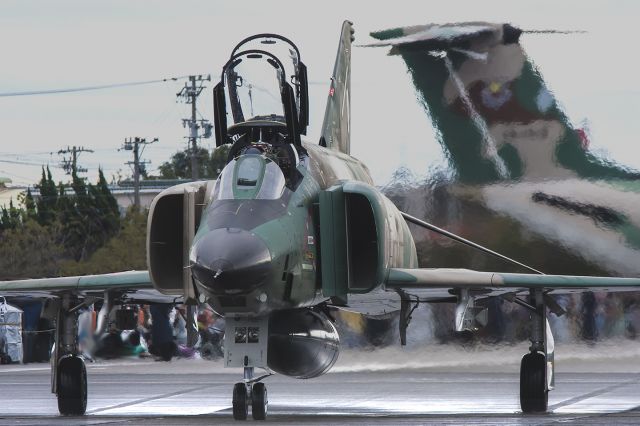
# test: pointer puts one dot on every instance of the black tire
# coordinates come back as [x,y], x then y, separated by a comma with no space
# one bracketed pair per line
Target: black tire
[240,403]
[259,401]
[72,386]
[534,397]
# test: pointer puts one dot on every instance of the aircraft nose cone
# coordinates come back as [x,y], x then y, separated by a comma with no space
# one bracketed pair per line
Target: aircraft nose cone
[230,261]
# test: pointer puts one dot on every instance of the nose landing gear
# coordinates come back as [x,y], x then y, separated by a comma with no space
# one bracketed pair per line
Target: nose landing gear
[250,392]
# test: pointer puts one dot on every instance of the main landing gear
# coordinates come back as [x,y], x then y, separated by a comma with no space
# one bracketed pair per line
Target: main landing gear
[69,375]
[250,392]
[536,368]
[72,386]
[533,393]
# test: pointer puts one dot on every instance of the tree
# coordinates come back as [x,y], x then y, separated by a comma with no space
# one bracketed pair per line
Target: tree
[30,212]
[124,251]
[107,206]
[89,218]
[11,218]
[29,251]
[218,160]
[209,166]
[5,220]
[179,167]
[46,205]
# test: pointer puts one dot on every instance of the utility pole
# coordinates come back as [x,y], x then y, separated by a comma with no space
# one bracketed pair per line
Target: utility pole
[71,164]
[190,93]
[133,144]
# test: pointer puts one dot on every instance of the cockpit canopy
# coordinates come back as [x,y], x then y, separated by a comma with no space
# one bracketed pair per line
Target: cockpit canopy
[250,176]
[263,93]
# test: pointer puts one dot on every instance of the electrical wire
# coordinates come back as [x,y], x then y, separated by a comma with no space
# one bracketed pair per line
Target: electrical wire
[88,88]
[27,163]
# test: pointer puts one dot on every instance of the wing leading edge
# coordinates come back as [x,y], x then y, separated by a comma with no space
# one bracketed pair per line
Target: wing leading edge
[136,285]
[399,279]
[118,280]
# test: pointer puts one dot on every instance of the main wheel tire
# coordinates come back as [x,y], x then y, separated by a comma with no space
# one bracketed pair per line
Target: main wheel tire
[534,397]
[259,401]
[240,403]
[72,386]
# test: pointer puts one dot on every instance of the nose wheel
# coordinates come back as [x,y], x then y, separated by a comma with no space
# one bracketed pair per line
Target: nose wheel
[259,401]
[240,402]
[253,392]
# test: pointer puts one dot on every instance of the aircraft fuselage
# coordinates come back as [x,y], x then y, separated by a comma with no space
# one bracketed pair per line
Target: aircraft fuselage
[254,256]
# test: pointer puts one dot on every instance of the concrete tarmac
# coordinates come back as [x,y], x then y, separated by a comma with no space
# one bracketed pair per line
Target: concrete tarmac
[393,386]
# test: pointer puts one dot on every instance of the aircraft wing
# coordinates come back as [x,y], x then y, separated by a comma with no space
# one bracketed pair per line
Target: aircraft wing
[439,285]
[134,286]
[424,279]
[495,283]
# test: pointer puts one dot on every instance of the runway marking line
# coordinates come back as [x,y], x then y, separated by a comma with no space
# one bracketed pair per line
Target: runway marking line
[151,398]
[21,370]
[594,393]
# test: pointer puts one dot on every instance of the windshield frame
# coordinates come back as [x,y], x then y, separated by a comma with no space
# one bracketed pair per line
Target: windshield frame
[228,188]
[228,73]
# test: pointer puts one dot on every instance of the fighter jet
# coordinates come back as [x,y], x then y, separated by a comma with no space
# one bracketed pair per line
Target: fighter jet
[513,149]
[291,231]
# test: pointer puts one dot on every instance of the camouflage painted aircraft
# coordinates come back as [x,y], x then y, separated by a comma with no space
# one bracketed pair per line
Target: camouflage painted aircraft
[511,146]
[291,231]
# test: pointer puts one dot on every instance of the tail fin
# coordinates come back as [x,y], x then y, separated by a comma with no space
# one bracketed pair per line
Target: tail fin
[493,111]
[336,127]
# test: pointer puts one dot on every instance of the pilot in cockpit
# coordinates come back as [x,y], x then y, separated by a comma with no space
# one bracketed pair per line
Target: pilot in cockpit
[253,150]
[250,176]
[269,114]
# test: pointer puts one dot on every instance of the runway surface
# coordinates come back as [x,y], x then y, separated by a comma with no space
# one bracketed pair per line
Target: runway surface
[439,385]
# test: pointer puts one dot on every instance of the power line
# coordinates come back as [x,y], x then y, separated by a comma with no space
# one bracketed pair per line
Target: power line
[25,153]
[26,163]
[88,88]
[22,178]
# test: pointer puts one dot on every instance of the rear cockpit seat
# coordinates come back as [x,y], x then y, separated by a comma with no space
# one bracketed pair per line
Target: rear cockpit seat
[266,136]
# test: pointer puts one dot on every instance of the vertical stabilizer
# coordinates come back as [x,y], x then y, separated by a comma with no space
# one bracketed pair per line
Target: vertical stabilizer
[336,127]
[493,112]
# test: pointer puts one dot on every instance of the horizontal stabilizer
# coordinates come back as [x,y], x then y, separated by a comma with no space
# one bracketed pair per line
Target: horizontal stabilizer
[445,36]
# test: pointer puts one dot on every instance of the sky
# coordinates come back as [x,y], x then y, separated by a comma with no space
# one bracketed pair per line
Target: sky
[69,43]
